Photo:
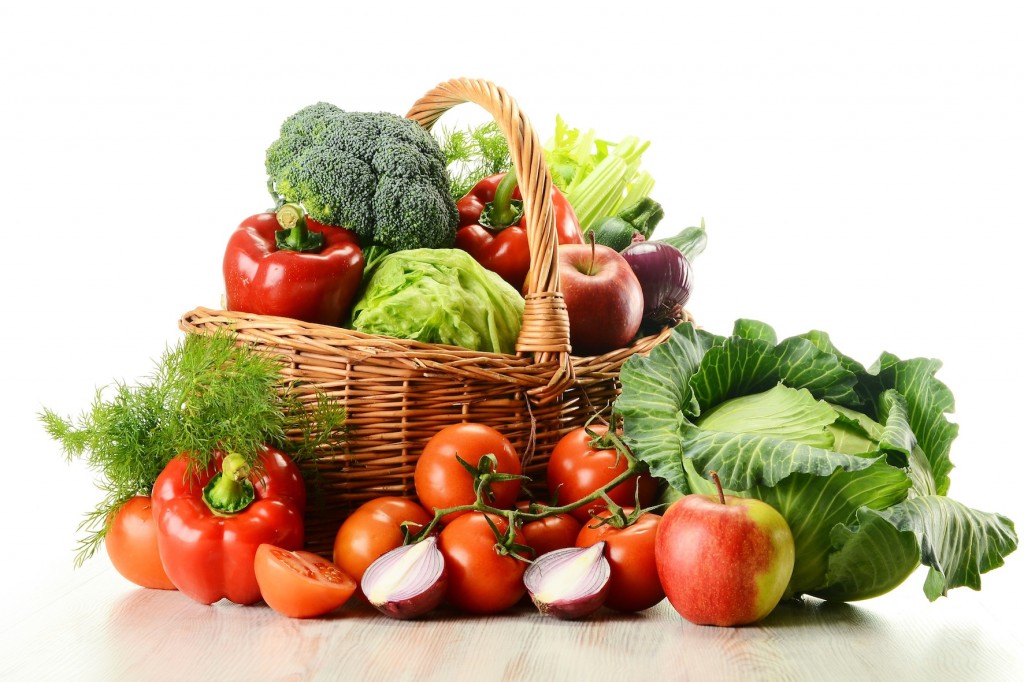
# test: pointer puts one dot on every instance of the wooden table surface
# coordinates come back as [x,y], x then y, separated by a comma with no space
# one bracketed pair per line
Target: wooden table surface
[89,624]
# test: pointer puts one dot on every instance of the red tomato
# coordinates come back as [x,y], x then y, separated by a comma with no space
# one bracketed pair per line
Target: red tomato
[373,529]
[131,545]
[441,481]
[549,533]
[479,579]
[300,584]
[634,583]
[575,470]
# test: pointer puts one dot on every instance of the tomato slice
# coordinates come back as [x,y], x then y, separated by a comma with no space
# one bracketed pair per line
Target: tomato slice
[300,584]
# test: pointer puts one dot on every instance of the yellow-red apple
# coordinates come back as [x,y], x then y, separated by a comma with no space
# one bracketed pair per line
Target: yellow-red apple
[723,560]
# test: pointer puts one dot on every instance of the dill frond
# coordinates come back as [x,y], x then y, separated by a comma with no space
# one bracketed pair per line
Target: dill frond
[473,155]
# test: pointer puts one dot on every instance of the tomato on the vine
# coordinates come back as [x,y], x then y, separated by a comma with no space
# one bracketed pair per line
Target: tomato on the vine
[480,580]
[373,529]
[131,545]
[634,583]
[441,481]
[547,534]
[300,584]
[577,468]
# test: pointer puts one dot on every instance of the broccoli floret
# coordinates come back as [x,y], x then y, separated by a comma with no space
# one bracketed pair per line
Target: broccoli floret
[378,174]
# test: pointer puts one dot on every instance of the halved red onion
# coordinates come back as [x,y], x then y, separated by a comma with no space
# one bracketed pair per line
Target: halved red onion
[408,581]
[569,583]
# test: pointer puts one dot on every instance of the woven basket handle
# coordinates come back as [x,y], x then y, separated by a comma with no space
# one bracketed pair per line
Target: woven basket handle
[545,330]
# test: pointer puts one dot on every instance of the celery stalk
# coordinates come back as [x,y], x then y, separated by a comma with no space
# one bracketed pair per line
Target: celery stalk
[597,195]
[598,177]
[641,188]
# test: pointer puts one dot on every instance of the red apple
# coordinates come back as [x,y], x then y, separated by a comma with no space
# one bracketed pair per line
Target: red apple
[723,560]
[603,298]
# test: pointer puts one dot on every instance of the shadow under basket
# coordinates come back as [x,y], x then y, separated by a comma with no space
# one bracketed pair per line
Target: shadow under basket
[398,393]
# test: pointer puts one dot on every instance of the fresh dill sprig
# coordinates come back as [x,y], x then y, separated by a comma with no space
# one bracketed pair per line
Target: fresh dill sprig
[473,155]
[207,394]
[221,397]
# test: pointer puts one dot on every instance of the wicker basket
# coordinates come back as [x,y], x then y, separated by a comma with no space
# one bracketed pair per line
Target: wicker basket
[398,393]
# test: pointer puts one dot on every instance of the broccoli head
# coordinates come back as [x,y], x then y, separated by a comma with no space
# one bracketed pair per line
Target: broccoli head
[380,175]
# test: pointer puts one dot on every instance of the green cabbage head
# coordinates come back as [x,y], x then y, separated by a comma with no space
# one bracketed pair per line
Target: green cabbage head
[855,459]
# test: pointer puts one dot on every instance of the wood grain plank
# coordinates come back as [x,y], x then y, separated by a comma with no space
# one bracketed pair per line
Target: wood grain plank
[101,628]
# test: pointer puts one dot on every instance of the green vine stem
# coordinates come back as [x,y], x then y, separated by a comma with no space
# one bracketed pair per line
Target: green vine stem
[516,517]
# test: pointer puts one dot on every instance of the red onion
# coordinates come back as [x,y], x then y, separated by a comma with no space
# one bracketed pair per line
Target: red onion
[408,581]
[569,583]
[664,275]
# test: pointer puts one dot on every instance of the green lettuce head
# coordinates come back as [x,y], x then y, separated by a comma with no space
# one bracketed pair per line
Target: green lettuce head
[440,296]
[855,459]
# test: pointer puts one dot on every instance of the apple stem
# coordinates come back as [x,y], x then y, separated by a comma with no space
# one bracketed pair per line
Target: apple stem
[718,485]
[593,252]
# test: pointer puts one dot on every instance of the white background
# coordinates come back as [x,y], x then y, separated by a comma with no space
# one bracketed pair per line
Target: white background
[860,169]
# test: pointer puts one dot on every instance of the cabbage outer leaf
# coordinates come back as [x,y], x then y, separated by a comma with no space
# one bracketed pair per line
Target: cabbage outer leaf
[931,400]
[664,394]
[895,554]
[814,506]
[957,543]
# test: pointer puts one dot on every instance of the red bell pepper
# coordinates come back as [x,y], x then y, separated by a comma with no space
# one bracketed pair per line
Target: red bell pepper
[492,228]
[210,521]
[276,265]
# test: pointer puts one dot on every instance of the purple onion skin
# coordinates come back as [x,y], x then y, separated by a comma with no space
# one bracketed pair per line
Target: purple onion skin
[573,609]
[415,604]
[418,605]
[576,606]
[664,274]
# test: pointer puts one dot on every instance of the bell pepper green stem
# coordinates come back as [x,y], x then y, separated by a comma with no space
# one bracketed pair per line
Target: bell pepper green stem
[295,235]
[503,210]
[230,491]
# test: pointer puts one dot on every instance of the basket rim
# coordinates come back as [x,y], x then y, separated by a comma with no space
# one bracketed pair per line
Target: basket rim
[326,338]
